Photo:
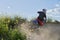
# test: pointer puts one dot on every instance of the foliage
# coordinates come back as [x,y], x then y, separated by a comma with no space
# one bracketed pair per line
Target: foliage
[49,20]
[6,31]
[57,21]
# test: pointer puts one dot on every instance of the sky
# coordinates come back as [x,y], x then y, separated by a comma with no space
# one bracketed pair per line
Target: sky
[28,8]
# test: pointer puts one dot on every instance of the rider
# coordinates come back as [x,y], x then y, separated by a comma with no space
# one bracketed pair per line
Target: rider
[42,15]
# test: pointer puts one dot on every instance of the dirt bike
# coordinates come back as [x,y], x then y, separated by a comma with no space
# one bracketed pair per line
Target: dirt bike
[37,23]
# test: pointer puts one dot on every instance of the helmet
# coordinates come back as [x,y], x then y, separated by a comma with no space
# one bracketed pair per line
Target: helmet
[44,10]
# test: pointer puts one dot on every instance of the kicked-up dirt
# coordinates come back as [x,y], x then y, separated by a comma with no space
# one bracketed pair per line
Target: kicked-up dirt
[50,31]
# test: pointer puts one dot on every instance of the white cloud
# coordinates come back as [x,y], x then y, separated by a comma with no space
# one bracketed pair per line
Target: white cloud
[8,6]
[49,11]
[54,13]
[57,5]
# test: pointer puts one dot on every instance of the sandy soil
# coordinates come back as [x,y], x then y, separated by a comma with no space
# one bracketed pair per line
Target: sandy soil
[47,32]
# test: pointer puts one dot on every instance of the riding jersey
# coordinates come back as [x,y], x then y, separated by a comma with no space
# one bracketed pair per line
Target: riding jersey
[41,15]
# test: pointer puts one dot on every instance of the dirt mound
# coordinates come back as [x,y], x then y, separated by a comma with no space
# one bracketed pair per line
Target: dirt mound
[50,32]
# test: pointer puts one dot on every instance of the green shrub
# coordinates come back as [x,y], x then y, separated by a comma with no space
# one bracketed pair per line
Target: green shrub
[49,20]
[7,33]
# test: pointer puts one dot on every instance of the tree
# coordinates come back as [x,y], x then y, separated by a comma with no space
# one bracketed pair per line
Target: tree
[57,21]
[49,20]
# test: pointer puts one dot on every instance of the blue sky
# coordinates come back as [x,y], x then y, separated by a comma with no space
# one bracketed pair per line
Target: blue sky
[27,8]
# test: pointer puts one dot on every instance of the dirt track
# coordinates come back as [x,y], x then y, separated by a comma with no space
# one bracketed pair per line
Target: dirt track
[49,32]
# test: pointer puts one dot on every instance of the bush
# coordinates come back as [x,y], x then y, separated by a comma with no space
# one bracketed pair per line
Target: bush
[57,21]
[12,35]
[7,33]
[49,20]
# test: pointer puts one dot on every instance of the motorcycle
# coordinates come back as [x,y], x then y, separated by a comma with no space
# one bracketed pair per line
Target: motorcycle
[37,23]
